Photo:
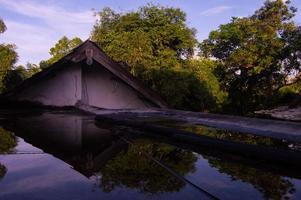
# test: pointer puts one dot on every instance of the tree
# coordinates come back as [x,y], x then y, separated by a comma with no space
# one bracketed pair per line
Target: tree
[60,49]
[18,74]
[155,44]
[153,36]
[31,69]
[2,26]
[14,77]
[251,52]
[8,57]
[193,87]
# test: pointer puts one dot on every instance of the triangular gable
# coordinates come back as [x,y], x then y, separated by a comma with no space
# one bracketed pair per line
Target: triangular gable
[91,52]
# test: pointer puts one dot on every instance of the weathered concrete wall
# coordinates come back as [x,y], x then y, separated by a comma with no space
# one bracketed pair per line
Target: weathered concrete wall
[89,85]
[102,89]
[61,89]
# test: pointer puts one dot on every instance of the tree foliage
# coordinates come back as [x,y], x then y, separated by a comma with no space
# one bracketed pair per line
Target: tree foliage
[18,74]
[8,57]
[193,87]
[153,36]
[155,44]
[2,26]
[253,54]
[60,49]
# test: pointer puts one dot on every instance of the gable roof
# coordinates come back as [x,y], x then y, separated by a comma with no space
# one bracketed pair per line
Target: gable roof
[90,52]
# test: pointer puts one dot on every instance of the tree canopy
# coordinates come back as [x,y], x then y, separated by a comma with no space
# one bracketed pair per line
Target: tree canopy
[18,74]
[155,44]
[60,49]
[256,54]
[8,57]
[152,37]
[2,26]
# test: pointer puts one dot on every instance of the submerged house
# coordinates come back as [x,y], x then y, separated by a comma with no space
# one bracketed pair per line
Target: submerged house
[86,76]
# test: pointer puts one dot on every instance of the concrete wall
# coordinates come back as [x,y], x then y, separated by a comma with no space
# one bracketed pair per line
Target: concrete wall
[89,85]
[100,88]
[60,89]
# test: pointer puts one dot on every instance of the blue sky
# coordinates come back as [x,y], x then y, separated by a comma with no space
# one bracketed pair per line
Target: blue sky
[35,25]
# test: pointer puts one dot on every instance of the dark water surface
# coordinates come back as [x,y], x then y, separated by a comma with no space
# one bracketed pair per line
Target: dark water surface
[56,155]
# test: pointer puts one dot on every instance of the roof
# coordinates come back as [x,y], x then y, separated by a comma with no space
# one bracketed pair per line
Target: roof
[89,51]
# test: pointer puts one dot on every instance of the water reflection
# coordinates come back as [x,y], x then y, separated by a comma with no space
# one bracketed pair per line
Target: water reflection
[272,186]
[7,141]
[97,152]
[123,162]
[230,135]
[2,171]
[131,169]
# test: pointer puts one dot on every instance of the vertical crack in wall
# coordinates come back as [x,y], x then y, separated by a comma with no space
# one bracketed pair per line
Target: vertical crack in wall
[85,97]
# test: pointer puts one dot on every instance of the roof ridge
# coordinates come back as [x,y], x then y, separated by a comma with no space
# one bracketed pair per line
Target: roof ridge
[79,54]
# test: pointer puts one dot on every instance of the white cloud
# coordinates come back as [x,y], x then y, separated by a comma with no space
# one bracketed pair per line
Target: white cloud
[35,39]
[216,10]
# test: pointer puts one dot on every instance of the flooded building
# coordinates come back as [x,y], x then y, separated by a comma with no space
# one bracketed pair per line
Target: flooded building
[86,77]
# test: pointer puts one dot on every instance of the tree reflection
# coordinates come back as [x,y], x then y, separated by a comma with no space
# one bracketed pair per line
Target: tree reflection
[272,186]
[233,136]
[2,171]
[7,140]
[134,170]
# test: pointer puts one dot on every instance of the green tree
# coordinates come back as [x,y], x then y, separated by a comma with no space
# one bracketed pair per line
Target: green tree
[18,74]
[155,44]
[31,69]
[153,36]
[14,77]
[251,52]
[8,57]
[192,87]
[2,26]
[60,49]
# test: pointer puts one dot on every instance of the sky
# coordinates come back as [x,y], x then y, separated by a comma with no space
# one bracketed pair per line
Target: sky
[34,26]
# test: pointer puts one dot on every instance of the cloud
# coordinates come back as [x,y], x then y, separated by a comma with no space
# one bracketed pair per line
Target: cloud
[34,39]
[33,43]
[216,10]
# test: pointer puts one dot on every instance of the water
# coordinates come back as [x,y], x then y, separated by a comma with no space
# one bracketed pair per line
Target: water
[55,155]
